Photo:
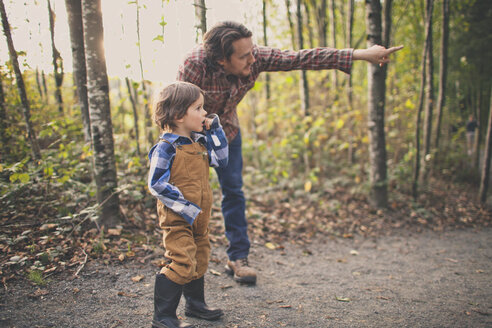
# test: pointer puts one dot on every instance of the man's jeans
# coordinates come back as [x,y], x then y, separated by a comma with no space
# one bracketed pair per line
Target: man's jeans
[233,202]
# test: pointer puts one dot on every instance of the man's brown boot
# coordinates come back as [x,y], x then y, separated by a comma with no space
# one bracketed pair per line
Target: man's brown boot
[242,271]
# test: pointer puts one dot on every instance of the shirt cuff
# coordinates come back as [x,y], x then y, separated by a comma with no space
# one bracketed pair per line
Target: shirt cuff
[190,212]
[345,60]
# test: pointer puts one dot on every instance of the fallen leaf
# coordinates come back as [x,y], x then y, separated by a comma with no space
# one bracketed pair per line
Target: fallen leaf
[127,294]
[451,260]
[354,252]
[285,306]
[270,245]
[76,290]
[38,293]
[138,278]
[342,299]
[121,257]
[215,273]
[114,232]
[48,226]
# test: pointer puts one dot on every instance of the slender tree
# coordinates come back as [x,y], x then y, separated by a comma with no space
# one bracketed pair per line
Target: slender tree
[265,42]
[485,178]
[291,25]
[477,141]
[135,113]
[100,114]
[319,8]
[376,102]
[333,29]
[303,82]
[429,101]
[416,168]
[57,61]
[26,110]
[38,83]
[200,17]
[308,24]
[74,11]
[443,68]
[349,34]
[4,139]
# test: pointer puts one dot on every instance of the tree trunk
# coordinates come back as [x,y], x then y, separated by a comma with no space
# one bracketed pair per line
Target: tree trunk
[265,42]
[74,11]
[148,119]
[350,28]
[333,29]
[416,169]
[303,82]
[3,122]
[429,101]
[308,24]
[485,178]
[135,114]
[20,84]
[376,99]
[45,85]
[291,25]
[38,84]
[57,61]
[100,114]
[201,17]
[443,67]
[478,133]
[320,14]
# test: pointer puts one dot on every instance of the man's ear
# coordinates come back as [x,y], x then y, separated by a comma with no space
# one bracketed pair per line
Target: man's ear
[221,62]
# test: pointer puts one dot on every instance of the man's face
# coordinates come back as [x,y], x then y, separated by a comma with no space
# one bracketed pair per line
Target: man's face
[241,59]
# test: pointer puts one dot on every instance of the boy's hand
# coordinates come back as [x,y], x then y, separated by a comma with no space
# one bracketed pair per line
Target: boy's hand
[207,123]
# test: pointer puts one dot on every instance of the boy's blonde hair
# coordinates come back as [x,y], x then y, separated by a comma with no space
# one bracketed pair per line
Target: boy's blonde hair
[173,102]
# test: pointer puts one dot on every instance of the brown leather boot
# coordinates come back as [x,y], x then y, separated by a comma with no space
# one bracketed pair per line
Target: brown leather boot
[241,270]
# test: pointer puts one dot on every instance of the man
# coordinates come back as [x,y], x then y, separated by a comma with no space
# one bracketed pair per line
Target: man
[226,66]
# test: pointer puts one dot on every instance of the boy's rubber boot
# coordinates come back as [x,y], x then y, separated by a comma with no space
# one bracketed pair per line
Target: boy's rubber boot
[194,293]
[166,299]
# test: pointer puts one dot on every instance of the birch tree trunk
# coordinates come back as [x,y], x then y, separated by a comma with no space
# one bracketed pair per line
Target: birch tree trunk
[100,114]
[26,110]
[57,61]
[376,100]
[200,17]
[429,96]
[38,83]
[135,114]
[443,69]
[303,82]
[265,42]
[333,29]
[350,28]
[485,178]
[291,25]
[416,169]
[74,11]
[320,14]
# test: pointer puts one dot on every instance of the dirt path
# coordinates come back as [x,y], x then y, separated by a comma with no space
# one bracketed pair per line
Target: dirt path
[420,280]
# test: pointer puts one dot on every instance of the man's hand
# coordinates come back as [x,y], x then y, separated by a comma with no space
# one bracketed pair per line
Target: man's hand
[207,123]
[375,54]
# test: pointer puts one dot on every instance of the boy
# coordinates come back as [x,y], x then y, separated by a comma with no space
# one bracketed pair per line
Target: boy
[178,177]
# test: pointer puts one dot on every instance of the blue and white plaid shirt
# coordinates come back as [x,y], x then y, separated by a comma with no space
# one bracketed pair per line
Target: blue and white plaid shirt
[161,157]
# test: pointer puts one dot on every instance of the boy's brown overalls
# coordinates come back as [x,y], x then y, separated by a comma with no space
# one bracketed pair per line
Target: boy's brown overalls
[187,247]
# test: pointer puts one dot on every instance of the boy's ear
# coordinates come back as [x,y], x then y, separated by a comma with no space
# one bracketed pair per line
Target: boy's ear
[179,120]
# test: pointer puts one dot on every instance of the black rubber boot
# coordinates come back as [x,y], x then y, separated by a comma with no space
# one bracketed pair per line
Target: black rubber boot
[194,293]
[166,299]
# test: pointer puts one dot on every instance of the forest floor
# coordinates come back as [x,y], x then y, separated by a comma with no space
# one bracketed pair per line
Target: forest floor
[325,259]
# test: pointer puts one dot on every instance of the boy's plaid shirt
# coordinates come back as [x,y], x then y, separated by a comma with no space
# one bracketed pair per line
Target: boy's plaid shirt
[161,158]
[223,92]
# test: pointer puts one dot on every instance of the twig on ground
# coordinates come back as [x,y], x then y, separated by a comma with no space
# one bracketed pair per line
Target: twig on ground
[83,263]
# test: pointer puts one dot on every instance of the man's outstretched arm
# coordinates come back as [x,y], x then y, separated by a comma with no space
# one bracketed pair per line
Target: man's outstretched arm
[375,54]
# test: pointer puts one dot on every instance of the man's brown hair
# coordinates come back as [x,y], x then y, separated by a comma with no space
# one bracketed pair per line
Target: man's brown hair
[218,40]
[173,102]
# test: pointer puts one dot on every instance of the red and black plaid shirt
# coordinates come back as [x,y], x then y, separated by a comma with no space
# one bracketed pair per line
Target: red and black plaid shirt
[223,92]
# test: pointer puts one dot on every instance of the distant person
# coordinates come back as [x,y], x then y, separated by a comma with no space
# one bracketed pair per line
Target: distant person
[226,66]
[178,178]
[471,126]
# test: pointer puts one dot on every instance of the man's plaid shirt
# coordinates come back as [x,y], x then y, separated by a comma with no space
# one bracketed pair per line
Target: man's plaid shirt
[161,158]
[223,92]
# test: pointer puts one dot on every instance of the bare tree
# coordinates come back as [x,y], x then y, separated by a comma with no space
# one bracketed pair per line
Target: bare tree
[200,17]
[485,178]
[303,82]
[428,31]
[376,102]
[349,34]
[38,83]
[26,110]
[135,113]
[319,8]
[443,68]
[333,29]
[291,25]
[57,61]
[100,113]
[429,104]
[74,11]
[265,42]
[3,120]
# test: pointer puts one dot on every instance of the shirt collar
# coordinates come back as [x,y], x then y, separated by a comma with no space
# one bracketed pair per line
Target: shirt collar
[180,140]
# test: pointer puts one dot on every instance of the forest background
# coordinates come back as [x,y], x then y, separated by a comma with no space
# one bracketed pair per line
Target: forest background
[323,154]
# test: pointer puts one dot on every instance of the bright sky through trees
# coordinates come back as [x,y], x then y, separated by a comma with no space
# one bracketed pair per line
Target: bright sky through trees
[30,29]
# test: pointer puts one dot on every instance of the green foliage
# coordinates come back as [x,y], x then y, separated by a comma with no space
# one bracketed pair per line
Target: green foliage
[36,276]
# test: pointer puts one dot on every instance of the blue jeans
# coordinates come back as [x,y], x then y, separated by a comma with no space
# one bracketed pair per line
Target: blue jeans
[233,202]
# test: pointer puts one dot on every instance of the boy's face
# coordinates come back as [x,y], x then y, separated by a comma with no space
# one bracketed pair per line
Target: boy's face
[241,59]
[194,118]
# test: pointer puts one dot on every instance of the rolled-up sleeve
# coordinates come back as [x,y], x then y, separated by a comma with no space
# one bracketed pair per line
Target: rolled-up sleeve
[217,146]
